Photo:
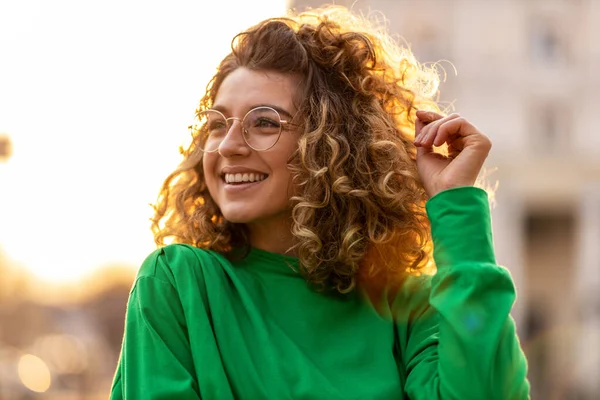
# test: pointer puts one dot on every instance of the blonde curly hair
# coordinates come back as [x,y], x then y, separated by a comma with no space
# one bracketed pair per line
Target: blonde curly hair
[358,217]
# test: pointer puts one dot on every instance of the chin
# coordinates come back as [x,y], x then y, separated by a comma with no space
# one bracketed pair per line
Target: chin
[237,220]
[238,217]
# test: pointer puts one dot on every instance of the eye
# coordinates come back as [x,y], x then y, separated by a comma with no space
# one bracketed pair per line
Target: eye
[212,125]
[264,122]
[216,127]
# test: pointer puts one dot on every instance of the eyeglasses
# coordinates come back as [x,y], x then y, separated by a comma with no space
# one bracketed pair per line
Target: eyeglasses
[261,128]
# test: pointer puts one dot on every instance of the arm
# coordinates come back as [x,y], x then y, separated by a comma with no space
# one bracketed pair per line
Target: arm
[457,338]
[156,361]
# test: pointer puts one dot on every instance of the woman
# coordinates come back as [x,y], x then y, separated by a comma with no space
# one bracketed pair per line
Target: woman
[304,214]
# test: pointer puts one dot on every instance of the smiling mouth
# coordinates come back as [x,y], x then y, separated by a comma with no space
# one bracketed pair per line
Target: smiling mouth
[239,178]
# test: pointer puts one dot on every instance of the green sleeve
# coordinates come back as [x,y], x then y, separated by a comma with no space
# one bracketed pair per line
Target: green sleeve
[456,336]
[156,361]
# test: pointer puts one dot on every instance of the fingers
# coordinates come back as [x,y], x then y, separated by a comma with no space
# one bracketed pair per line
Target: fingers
[450,130]
[467,150]
[428,116]
[460,134]
[454,130]
[429,132]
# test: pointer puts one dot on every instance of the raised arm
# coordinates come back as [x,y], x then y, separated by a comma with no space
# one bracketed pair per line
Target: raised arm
[456,336]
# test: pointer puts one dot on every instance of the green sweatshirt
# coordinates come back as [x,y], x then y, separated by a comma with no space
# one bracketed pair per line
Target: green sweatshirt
[201,327]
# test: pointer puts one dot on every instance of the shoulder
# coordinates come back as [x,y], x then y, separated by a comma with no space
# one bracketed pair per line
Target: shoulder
[179,274]
[178,262]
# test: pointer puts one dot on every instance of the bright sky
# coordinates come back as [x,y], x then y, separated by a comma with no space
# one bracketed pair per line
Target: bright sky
[95,96]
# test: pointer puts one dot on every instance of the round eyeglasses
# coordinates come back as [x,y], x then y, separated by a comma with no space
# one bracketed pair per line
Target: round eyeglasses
[261,128]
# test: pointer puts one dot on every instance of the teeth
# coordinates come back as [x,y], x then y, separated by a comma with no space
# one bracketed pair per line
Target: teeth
[246,177]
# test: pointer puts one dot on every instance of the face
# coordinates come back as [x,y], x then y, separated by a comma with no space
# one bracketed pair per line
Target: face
[264,201]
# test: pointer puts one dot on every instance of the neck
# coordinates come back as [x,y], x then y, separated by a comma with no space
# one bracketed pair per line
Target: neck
[275,237]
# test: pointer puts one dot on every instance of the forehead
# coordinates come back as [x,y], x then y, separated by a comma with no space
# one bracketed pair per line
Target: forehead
[245,88]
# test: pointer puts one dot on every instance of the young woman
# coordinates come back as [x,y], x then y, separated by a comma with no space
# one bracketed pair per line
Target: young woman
[304,215]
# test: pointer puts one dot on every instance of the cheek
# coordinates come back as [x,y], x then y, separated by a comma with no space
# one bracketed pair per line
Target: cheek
[285,186]
[287,177]
[209,176]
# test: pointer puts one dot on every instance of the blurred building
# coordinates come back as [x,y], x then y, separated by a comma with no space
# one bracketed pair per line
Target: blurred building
[528,77]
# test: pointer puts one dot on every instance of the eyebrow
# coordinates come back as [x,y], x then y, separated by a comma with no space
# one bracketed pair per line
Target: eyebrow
[280,110]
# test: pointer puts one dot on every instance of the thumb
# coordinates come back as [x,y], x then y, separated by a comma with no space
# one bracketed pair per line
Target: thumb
[424,118]
[422,151]
[419,125]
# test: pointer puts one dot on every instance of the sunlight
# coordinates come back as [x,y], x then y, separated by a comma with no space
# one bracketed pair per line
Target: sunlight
[96,98]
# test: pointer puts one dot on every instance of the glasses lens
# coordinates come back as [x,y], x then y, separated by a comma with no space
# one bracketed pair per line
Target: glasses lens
[208,129]
[262,127]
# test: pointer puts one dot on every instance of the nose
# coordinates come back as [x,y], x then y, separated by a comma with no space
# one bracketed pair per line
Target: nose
[233,143]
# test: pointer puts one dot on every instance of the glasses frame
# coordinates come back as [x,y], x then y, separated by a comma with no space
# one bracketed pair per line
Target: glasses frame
[282,123]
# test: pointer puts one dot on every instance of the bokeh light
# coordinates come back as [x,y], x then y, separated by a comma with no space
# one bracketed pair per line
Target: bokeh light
[34,373]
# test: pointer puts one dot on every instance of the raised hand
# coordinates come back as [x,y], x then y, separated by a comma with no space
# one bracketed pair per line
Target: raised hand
[467,150]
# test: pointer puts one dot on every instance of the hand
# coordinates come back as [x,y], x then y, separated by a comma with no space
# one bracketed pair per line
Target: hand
[467,150]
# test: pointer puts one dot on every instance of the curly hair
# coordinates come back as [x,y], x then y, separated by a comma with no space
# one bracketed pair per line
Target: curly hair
[358,216]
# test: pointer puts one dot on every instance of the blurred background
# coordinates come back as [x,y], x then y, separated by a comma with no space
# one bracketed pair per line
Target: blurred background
[95,97]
